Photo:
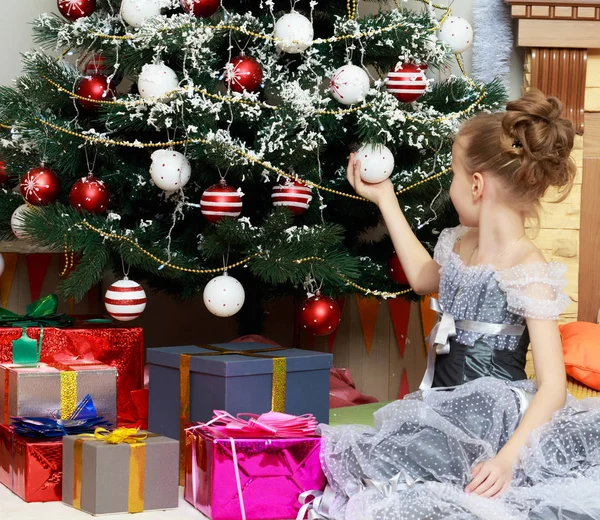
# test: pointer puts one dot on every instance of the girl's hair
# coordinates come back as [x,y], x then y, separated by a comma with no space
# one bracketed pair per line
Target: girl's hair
[528,147]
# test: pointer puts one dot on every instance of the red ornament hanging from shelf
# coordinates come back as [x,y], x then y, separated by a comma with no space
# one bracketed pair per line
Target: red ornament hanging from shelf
[75,9]
[243,73]
[220,201]
[407,82]
[90,194]
[40,186]
[320,315]
[395,270]
[200,8]
[95,88]
[293,195]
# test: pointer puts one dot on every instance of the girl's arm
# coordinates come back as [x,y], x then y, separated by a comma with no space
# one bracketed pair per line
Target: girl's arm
[420,269]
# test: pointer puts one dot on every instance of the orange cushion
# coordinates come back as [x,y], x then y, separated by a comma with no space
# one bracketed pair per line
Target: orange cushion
[581,348]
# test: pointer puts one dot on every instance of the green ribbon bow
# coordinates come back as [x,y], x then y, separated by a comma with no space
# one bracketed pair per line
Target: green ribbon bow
[41,313]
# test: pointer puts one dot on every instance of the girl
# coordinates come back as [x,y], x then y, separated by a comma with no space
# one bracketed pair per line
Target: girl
[443,451]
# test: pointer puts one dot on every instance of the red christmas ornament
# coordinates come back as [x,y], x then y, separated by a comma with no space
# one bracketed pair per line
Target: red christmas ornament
[90,194]
[220,201]
[200,8]
[407,82]
[40,186]
[75,9]
[320,315]
[4,179]
[293,195]
[95,88]
[395,269]
[243,73]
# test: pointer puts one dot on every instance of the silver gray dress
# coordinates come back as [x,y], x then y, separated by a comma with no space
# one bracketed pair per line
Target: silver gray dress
[416,461]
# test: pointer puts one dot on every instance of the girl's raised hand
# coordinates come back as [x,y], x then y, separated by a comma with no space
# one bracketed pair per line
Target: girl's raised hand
[376,193]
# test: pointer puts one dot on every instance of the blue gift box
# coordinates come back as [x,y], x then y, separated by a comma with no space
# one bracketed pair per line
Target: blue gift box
[234,382]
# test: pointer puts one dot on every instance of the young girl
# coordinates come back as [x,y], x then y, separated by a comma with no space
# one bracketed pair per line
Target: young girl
[478,429]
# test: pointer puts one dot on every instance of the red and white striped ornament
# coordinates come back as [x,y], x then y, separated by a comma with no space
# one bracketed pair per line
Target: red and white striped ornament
[220,201]
[125,300]
[293,195]
[407,82]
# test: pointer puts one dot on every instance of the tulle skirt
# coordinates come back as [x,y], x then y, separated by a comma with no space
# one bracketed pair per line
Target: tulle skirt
[416,461]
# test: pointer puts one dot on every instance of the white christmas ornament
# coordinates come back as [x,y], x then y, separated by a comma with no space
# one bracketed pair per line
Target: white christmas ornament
[125,300]
[376,162]
[349,84]
[224,296]
[16,222]
[137,12]
[170,170]
[457,33]
[156,80]
[295,33]
[1,264]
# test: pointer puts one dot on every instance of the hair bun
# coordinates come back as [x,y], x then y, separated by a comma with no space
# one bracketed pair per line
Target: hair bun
[534,129]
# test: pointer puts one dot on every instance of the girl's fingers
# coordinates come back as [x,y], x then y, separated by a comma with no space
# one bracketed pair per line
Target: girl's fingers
[493,490]
[502,491]
[357,179]
[350,170]
[485,486]
[482,474]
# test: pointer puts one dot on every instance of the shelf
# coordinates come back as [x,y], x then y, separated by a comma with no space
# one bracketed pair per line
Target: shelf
[24,247]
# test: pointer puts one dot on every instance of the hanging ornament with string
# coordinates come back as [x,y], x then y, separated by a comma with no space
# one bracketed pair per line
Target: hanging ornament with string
[156,80]
[243,74]
[457,33]
[293,195]
[16,221]
[320,314]
[200,8]
[376,162]
[221,201]
[137,12]
[125,300]
[407,82]
[224,296]
[95,88]
[76,9]
[349,84]
[170,170]
[294,33]
[40,186]
[90,194]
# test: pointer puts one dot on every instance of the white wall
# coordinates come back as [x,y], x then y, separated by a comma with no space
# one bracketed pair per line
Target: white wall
[15,34]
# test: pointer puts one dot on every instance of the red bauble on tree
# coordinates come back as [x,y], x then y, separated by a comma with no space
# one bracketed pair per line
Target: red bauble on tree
[395,269]
[75,9]
[40,186]
[320,315]
[293,195]
[4,179]
[407,82]
[220,201]
[200,8]
[243,73]
[90,194]
[95,88]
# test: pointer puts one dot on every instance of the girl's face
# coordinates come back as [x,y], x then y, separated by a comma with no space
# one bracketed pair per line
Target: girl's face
[463,188]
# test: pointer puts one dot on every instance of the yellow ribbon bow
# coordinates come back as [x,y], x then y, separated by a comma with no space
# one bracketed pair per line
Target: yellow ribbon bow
[128,435]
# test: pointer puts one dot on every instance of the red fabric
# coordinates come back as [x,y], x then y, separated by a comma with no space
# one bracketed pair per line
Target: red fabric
[136,414]
[343,392]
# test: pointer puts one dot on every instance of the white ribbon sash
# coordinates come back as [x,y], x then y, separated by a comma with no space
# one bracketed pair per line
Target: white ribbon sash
[445,329]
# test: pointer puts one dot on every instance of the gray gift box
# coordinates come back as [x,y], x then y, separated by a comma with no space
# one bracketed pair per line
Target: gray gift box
[234,383]
[39,390]
[105,476]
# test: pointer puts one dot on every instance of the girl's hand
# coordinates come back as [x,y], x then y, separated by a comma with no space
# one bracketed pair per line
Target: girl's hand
[491,478]
[376,193]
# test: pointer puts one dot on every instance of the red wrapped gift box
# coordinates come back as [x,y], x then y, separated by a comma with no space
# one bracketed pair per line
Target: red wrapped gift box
[31,468]
[116,346]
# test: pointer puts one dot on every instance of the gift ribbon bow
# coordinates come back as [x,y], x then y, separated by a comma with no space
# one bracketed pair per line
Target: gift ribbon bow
[316,503]
[267,425]
[137,462]
[445,329]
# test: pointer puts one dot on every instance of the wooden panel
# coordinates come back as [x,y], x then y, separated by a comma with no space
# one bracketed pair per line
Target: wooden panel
[589,268]
[592,78]
[586,12]
[540,11]
[567,34]
[518,10]
[563,12]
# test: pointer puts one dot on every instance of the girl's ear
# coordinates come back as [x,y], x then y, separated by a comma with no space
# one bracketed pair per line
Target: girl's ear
[477,183]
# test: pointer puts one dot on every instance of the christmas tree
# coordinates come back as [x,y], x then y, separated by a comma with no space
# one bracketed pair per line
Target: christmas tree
[180,139]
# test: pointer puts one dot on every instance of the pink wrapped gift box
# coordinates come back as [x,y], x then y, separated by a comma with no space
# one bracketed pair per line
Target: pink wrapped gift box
[273,473]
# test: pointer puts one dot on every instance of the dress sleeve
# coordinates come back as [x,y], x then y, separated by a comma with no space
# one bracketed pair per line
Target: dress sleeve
[535,290]
[445,244]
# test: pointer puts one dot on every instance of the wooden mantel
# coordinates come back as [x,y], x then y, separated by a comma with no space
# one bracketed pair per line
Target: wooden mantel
[560,37]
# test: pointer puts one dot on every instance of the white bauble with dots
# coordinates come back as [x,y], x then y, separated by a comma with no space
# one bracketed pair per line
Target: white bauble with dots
[1,264]
[170,170]
[349,84]
[224,296]
[16,222]
[376,162]
[125,300]
[137,12]
[294,32]
[156,80]
[457,33]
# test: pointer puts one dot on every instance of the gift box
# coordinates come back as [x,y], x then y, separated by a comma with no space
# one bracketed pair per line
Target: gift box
[54,390]
[120,472]
[263,477]
[237,377]
[31,468]
[116,346]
